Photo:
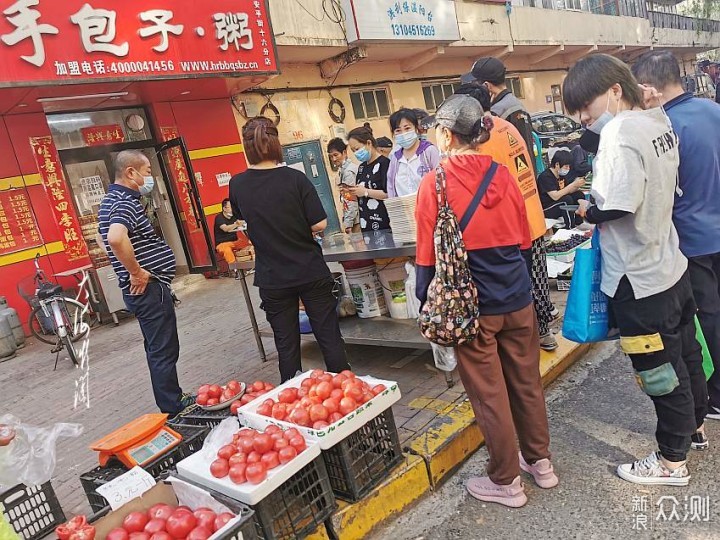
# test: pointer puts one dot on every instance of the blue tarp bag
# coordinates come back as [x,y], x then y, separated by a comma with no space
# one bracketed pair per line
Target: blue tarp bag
[586,314]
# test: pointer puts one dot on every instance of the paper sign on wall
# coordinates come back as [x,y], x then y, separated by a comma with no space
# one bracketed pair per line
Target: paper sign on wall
[93,190]
[223,179]
[126,487]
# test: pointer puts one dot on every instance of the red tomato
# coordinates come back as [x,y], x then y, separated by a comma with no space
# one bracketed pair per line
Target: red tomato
[378,389]
[264,410]
[254,457]
[354,391]
[298,443]
[180,524]
[270,460]
[338,380]
[135,522]
[348,373]
[117,534]
[302,392]
[233,385]
[228,394]
[300,416]
[262,443]
[306,402]
[202,399]
[312,393]
[276,436]
[336,416]
[287,454]
[320,424]
[256,473]
[279,411]
[327,377]
[291,432]
[240,457]
[246,432]
[269,387]
[258,386]
[346,384]
[139,536]
[367,396]
[247,398]
[227,451]
[324,389]
[205,516]
[64,531]
[200,533]
[235,406]
[160,511]
[272,429]
[222,519]
[183,508]
[288,395]
[337,393]
[318,412]
[204,389]
[245,445]
[347,405]
[237,475]
[215,391]
[160,536]
[155,525]
[86,532]
[280,443]
[219,469]
[212,401]
[307,384]
[317,373]
[332,405]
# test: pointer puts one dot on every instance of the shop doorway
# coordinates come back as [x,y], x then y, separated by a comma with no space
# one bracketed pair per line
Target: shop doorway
[307,158]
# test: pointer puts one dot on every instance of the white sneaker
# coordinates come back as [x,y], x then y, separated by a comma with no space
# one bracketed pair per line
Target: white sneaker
[555,313]
[713,413]
[548,342]
[652,471]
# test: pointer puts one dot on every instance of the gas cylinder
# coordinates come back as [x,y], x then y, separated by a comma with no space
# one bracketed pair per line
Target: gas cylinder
[8,348]
[14,320]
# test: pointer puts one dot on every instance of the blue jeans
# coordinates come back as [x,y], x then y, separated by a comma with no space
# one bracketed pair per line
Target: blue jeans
[155,311]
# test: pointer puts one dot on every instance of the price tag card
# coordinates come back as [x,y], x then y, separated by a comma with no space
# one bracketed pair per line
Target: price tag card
[130,485]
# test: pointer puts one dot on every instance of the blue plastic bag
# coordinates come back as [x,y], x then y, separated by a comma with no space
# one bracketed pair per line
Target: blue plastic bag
[586,314]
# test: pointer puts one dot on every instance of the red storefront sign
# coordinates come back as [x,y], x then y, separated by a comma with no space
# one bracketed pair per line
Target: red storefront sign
[180,176]
[97,135]
[81,40]
[18,228]
[48,163]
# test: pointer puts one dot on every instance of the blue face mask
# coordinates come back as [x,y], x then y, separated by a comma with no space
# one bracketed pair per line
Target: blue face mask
[362,155]
[148,186]
[603,120]
[564,172]
[407,139]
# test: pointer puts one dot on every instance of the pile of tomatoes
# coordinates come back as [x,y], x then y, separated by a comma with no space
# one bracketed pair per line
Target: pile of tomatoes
[214,394]
[164,522]
[254,391]
[253,453]
[321,400]
[76,529]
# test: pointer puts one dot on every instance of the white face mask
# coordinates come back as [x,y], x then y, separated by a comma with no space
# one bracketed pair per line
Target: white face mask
[604,119]
[148,186]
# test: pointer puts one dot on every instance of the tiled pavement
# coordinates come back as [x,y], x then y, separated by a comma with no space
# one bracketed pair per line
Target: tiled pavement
[216,345]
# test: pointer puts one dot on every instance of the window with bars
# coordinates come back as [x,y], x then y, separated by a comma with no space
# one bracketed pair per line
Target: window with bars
[515,85]
[436,93]
[370,103]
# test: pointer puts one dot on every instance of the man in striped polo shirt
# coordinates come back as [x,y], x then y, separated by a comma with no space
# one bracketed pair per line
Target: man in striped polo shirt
[145,267]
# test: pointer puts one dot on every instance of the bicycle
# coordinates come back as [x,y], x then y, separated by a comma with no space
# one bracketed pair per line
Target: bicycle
[56,319]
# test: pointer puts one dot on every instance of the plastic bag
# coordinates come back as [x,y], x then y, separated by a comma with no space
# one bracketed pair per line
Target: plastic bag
[30,458]
[221,435]
[445,357]
[413,304]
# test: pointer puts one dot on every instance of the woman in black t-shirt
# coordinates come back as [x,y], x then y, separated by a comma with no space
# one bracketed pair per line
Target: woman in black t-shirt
[371,187]
[283,211]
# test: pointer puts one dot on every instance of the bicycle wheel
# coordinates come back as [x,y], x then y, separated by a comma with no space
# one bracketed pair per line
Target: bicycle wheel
[70,347]
[42,326]
[76,318]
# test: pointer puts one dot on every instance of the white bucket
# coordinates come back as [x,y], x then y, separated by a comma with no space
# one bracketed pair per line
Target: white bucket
[366,292]
[392,278]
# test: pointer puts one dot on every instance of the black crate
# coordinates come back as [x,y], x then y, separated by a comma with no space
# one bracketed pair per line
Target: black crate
[33,512]
[200,417]
[298,507]
[361,461]
[193,438]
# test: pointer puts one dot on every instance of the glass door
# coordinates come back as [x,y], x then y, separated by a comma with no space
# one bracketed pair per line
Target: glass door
[187,206]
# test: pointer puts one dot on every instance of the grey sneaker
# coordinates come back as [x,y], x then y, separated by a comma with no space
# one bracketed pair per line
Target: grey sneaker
[651,471]
[548,342]
[699,441]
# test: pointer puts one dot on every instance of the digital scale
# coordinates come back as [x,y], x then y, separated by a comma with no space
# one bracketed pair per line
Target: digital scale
[139,442]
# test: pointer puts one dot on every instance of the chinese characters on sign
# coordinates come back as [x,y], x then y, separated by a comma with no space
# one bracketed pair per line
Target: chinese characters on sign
[668,508]
[97,135]
[46,40]
[179,174]
[18,228]
[53,180]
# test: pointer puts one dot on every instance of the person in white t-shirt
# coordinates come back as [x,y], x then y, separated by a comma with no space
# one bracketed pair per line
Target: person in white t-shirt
[643,271]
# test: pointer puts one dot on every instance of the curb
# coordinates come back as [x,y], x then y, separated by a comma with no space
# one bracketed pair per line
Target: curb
[434,455]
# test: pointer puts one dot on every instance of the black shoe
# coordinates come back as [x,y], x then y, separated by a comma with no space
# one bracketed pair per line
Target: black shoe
[699,441]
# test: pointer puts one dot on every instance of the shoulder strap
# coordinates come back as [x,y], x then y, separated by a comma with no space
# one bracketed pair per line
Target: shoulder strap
[477,199]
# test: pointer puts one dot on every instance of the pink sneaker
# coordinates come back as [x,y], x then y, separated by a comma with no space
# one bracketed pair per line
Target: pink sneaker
[542,471]
[484,489]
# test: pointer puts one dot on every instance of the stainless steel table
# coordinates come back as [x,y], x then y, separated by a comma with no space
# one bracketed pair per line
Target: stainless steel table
[378,331]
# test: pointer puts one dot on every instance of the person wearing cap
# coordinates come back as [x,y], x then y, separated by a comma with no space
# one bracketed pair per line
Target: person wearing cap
[644,272]
[506,146]
[414,158]
[500,368]
[384,146]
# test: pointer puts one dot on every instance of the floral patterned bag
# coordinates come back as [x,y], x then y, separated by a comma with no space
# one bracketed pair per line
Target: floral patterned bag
[449,317]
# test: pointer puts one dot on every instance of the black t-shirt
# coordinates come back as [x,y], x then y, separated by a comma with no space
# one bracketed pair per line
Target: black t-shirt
[220,235]
[373,214]
[547,182]
[279,206]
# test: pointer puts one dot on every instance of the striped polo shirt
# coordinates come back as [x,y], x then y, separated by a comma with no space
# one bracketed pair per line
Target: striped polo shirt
[122,205]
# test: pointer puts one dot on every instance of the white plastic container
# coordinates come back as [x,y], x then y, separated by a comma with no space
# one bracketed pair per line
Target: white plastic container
[392,277]
[334,433]
[367,292]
